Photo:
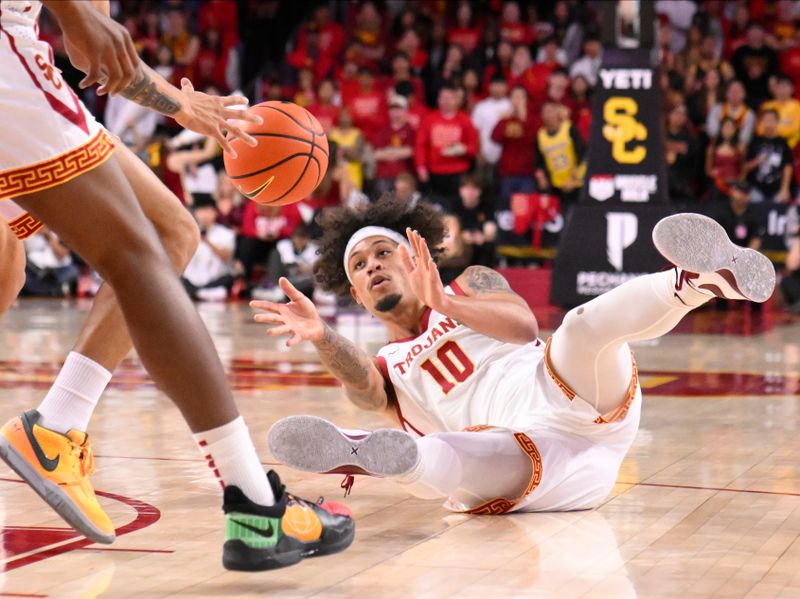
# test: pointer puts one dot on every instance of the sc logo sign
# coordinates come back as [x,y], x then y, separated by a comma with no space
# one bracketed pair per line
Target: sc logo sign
[621,128]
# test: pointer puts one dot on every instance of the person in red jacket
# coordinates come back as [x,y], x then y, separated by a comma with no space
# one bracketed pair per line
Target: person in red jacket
[394,145]
[516,134]
[262,227]
[447,143]
[367,105]
[324,109]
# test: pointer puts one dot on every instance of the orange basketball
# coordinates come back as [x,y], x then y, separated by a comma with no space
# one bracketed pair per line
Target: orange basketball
[290,160]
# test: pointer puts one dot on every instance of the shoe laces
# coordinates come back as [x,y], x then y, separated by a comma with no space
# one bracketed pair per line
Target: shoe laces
[683,276]
[85,459]
[347,484]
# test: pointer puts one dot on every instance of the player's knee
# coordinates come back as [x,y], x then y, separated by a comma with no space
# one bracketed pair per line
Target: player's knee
[181,239]
[575,321]
[134,254]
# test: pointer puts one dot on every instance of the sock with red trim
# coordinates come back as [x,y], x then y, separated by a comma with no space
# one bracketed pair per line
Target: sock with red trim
[232,457]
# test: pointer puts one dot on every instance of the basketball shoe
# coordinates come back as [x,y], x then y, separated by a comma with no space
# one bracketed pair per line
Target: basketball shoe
[709,261]
[313,444]
[57,466]
[268,537]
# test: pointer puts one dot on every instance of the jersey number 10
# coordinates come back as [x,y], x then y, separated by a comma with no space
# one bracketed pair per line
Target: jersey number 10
[455,361]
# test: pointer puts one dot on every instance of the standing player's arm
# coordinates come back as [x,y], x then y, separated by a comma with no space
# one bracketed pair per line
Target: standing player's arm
[489,305]
[362,380]
[104,50]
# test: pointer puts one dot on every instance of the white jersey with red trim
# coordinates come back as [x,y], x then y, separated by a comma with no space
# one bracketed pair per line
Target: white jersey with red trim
[451,378]
[47,135]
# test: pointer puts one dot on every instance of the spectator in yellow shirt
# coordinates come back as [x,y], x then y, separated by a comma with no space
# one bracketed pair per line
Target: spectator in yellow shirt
[788,109]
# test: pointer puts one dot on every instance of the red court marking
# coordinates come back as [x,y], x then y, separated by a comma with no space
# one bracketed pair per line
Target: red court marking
[146,515]
[664,485]
[142,457]
[126,550]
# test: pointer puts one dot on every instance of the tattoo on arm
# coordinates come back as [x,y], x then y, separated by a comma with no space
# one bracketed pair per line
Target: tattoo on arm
[351,366]
[144,91]
[483,280]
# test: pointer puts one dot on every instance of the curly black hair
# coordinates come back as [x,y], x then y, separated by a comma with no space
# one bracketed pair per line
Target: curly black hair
[339,224]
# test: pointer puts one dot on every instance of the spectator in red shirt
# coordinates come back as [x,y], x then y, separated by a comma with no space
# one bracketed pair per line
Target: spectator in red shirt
[324,109]
[548,61]
[520,72]
[465,33]
[262,227]
[410,43]
[512,28]
[211,63]
[790,59]
[401,71]
[222,15]
[304,94]
[310,55]
[516,135]
[367,106]
[394,146]
[581,105]
[331,35]
[446,145]
[369,31]
[417,111]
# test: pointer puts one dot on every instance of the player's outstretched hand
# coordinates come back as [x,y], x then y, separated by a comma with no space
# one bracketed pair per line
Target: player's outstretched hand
[215,116]
[423,274]
[297,318]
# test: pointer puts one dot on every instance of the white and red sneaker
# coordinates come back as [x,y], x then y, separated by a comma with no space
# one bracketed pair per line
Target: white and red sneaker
[313,444]
[711,262]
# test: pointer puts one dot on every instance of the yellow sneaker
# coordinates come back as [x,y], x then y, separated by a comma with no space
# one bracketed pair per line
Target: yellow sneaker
[57,467]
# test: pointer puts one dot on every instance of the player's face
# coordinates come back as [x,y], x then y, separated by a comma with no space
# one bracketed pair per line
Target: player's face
[380,281]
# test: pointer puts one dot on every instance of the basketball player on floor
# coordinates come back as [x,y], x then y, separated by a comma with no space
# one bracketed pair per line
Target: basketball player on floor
[552,420]
[61,167]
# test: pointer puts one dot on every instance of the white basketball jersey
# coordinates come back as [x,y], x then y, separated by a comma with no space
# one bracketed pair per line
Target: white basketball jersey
[451,377]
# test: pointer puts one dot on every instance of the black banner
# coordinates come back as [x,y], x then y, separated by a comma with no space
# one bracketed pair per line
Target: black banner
[606,239]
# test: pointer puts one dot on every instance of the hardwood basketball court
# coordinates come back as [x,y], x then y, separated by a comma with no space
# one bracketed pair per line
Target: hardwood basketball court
[707,502]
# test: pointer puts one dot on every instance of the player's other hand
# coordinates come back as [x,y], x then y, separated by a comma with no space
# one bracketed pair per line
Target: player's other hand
[298,318]
[98,46]
[423,274]
[215,116]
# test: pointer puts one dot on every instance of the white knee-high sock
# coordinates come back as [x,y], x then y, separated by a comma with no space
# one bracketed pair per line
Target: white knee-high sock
[230,454]
[438,472]
[589,350]
[71,400]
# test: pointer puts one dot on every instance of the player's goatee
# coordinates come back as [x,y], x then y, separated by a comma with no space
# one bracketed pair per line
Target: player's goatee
[388,303]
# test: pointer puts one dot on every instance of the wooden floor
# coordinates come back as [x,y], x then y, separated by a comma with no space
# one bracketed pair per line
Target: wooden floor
[707,502]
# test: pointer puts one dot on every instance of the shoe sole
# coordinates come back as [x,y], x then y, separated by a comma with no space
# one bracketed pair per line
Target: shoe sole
[698,244]
[313,444]
[239,557]
[52,494]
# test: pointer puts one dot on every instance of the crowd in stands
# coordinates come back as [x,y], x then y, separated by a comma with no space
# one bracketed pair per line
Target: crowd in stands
[464,104]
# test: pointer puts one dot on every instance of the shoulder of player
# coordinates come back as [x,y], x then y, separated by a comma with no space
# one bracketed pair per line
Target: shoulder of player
[481,280]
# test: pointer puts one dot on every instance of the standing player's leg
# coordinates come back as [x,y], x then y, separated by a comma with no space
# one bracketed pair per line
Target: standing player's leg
[12,267]
[589,352]
[112,233]
[104,340]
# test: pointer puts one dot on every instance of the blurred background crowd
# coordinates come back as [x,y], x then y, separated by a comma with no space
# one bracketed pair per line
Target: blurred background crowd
[481,107]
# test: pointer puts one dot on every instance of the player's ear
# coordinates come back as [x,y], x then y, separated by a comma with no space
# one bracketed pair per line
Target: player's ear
[354,294]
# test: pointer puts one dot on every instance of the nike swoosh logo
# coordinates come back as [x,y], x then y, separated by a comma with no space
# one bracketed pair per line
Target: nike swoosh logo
[46,463]
[260,532]
[257,191]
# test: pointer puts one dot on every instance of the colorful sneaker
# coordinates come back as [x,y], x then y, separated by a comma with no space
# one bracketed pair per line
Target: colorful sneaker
[280,535]
[700,247]
[57,466]
[315,445]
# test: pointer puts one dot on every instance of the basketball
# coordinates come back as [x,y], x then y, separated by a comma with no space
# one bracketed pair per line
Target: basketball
[288,163]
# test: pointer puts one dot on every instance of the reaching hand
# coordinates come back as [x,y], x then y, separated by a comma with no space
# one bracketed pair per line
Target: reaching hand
[213,116]
[297,318]
[423,274]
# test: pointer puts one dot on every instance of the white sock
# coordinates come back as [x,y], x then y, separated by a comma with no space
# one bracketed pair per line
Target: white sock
[71,400]
[231,456]
[438,472]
